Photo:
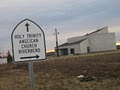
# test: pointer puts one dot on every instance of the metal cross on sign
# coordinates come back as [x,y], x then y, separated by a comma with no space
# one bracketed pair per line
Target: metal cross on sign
[28,42]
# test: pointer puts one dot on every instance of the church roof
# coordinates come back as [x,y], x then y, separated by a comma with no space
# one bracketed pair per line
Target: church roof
[95,31]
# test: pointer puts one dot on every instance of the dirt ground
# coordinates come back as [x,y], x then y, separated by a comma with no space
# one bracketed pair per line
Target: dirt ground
[61,73]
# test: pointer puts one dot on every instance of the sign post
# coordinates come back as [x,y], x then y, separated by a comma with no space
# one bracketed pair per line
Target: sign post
[28,45]
[31,75]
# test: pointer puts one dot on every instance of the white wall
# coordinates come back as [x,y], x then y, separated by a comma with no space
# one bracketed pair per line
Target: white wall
[76,48]
[102,42]
[75,39]
[3,60]
[83,46]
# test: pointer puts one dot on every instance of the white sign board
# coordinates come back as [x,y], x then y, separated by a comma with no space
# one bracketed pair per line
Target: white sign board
[28,42]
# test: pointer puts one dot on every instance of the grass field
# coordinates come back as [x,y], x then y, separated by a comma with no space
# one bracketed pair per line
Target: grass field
[61,73]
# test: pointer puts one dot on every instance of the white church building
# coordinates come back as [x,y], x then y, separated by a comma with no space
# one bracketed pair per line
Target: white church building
[97,41]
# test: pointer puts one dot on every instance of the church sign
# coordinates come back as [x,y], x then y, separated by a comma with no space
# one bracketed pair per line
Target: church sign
[28,42]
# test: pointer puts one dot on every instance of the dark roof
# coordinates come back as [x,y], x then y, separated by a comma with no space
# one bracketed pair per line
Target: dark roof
[77,42]
[96,31]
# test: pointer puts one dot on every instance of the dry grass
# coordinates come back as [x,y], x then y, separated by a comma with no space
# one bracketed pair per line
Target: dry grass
[61,73]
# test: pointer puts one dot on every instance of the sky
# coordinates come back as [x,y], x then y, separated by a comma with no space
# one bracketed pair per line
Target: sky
[70,17]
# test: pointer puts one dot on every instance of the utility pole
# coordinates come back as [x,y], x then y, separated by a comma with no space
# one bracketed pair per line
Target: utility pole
[56,36]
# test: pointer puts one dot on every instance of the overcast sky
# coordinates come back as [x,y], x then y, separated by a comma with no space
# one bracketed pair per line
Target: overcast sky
[70,17]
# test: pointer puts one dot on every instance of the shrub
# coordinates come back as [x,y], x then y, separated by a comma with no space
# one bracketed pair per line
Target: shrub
[9,57]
